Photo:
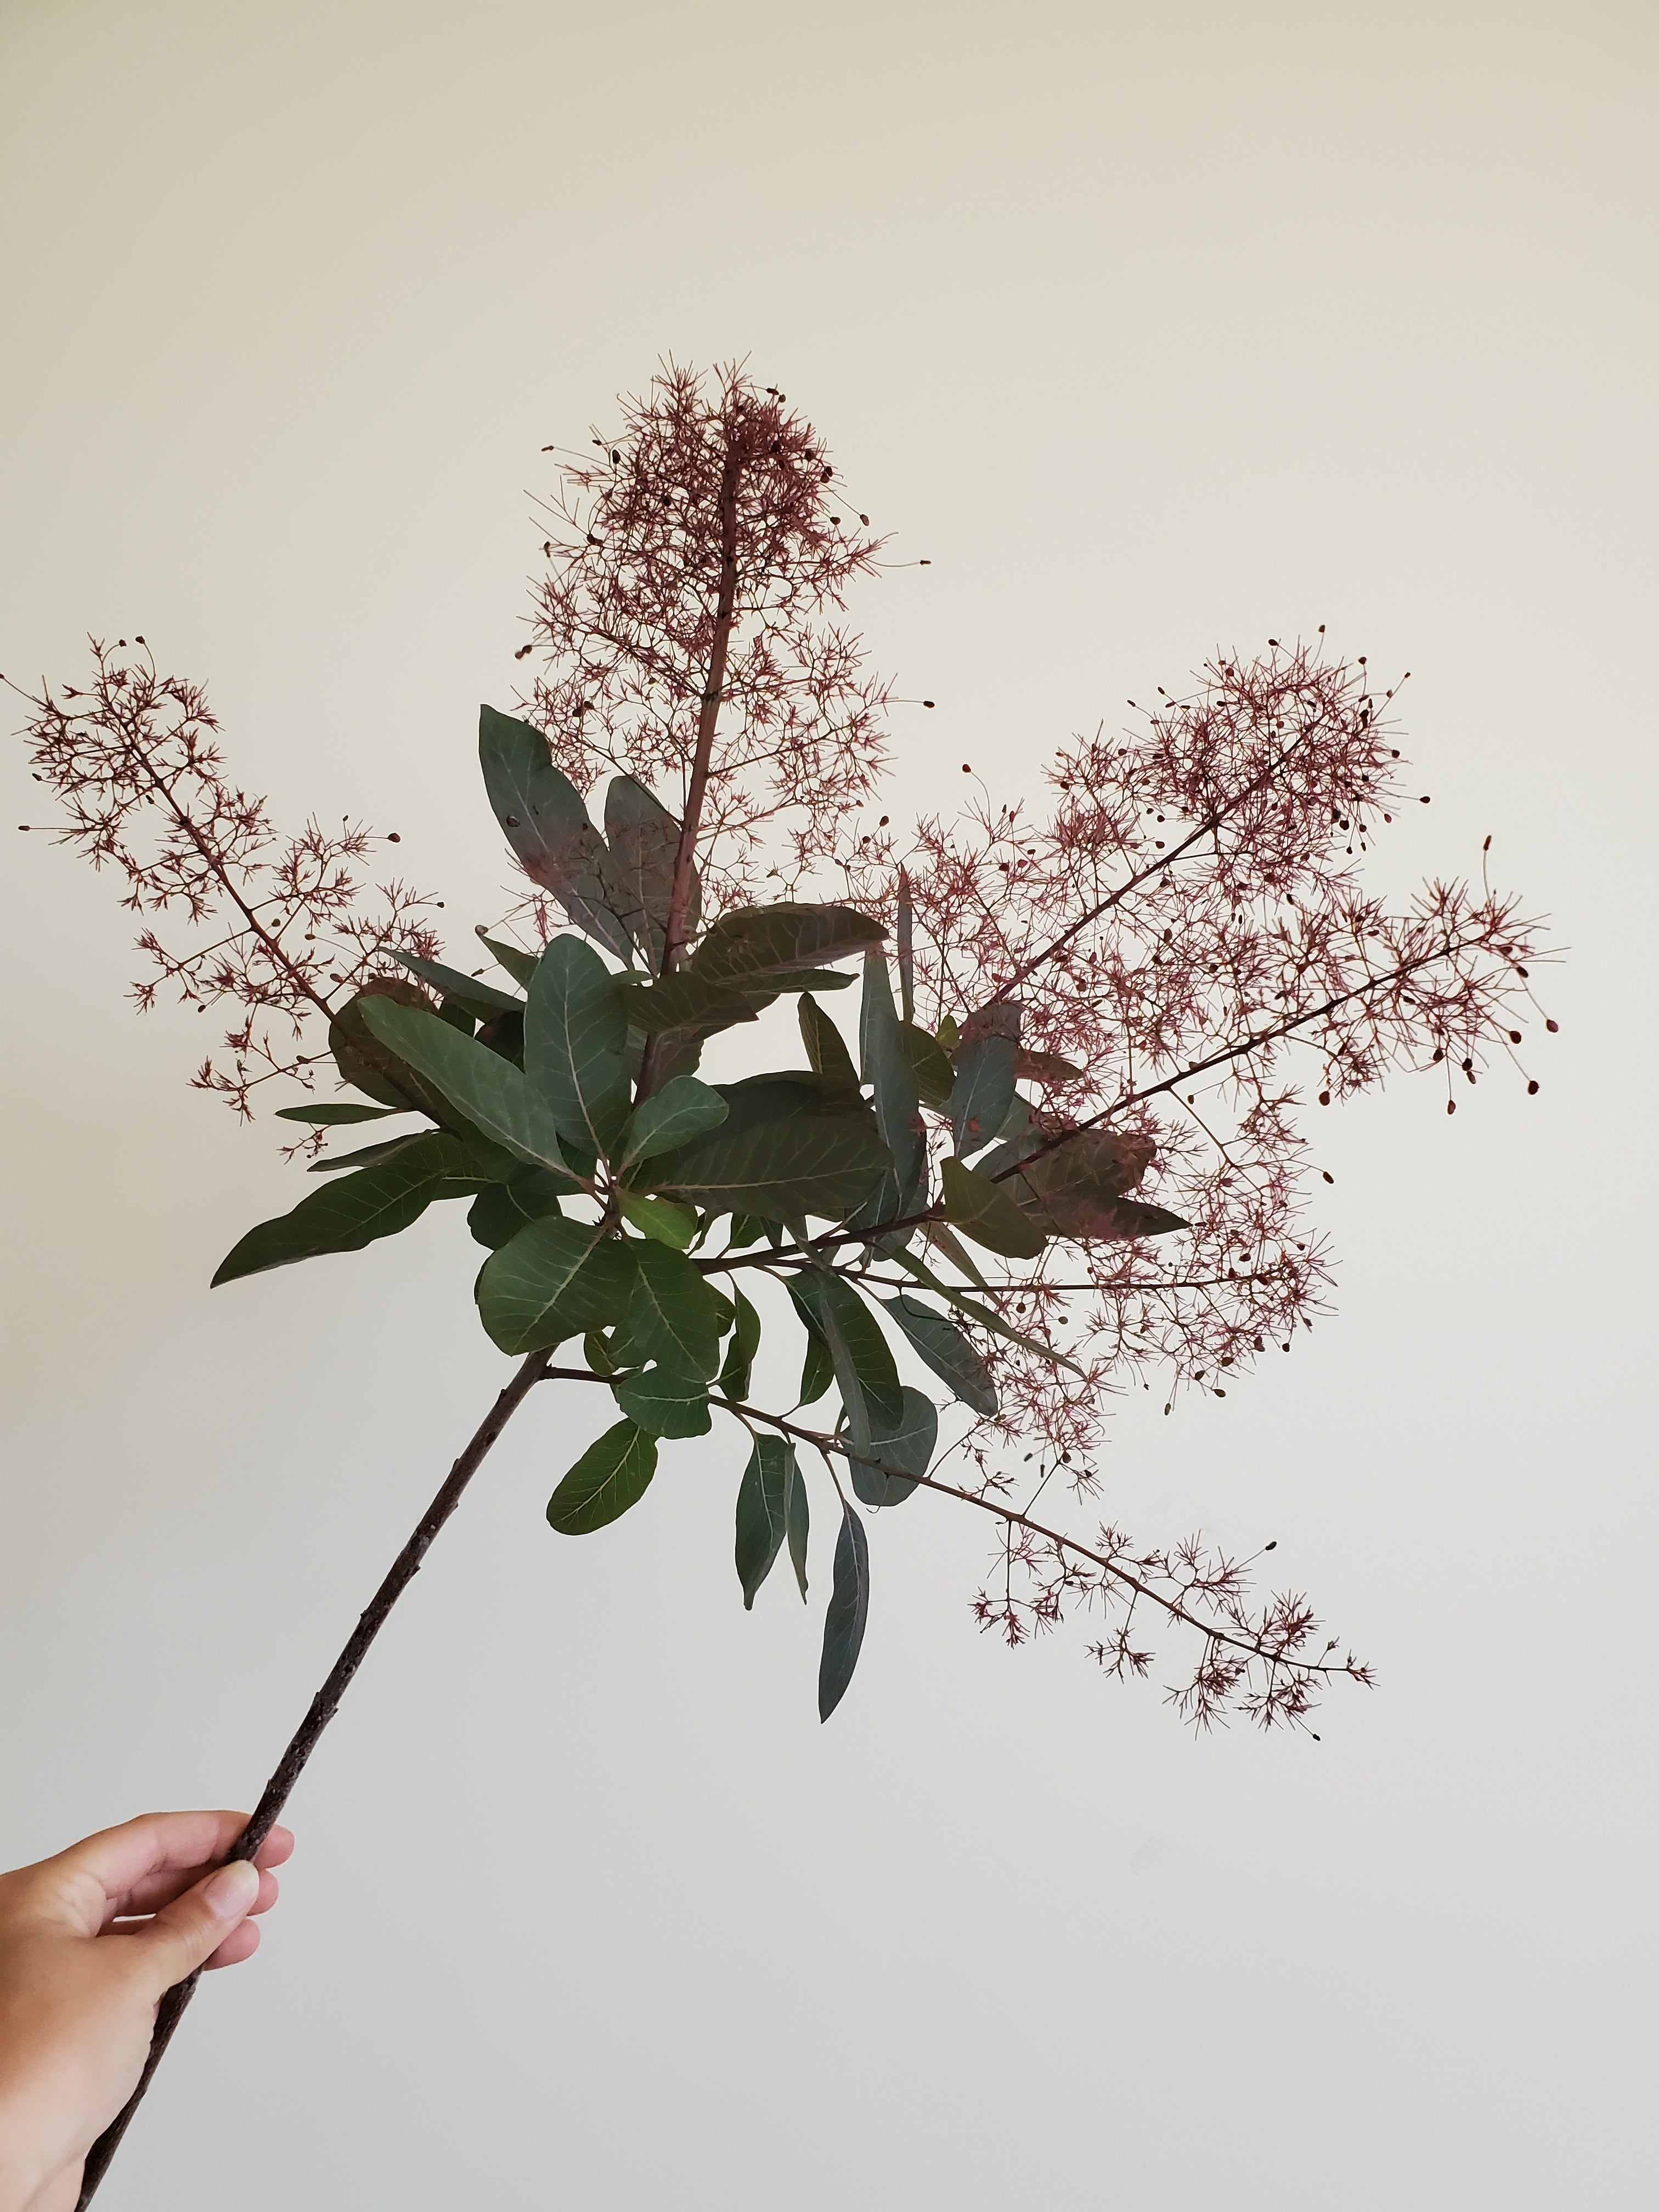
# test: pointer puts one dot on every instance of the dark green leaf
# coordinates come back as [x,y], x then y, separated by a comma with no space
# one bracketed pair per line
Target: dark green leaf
[817,1369]
[331,1117]
[547,826]
[488,1089]
[887,1067]
[982,1316]
[935,1078]
[789,1146]
[596,1350]
[904,946]
[347,1214]
[681,1109]
[684,1001]
[557,1278]
[983,1210]
[481,1000]
[665,1220]
[758,947]
[825,1046]
[747,1229]
[849,1605]
[367,1064]
[519,965]
[366,1156]
[614,1473]
[574,1032]
[663,1403]
[673,1315]
[764,1503]
[740,1353]
[940,1344]
[984,1088]
[798,1519]
[499,1213]
[905,1448]
[644,839]
[864,1373]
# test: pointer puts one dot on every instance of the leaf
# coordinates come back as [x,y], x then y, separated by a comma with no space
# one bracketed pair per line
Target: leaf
[817,1369]
[935,1078]
[366,1155]
[596,1350]
[757,947]
[614,1473]
[940,1344]
[905,949]
[357,1209]
[983,1210]
[798,1520]
[1077,1187]
[887,1068]
[864,1373]
[683,1001]
[825,1046]
[575,1034]
[787,1148]
[681,1109]
[740,1353]
[673,1315]
[547,826]
[555,1279]
[665,1220]
[984,1088]
[519,965]
[481,1000]
[331,1117]
[644,840]
[843,1621]
[1046,1067]
[905,1448]
[764,1500]
[663,1403]
[489,1091]
[945,1240]
[368,1065]
[497,1215]
[982,1316]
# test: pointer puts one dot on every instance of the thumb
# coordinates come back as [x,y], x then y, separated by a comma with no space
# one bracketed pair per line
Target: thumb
[185,1933]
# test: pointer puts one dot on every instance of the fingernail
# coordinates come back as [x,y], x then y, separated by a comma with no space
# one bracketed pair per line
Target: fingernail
[231,1892]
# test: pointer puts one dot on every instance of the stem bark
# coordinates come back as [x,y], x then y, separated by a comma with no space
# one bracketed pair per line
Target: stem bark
[323,1706]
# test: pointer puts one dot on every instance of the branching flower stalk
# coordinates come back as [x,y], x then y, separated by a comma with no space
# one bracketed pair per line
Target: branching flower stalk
[1062,1157]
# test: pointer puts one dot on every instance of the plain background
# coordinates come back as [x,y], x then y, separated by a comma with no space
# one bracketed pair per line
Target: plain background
[1153,328]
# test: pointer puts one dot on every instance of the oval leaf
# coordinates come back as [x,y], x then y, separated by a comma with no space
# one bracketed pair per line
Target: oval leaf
[940,1344]
[488,1089]
[761,945]
[555,1279]
[614,1473]
[905,1451]
[357,1209]
[681,1109]
[763,1507]
[663,1403]
[547,826]
[983,1210]
[575,1033]
[673,1315]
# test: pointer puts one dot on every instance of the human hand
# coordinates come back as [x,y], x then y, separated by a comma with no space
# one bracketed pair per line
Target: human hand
[89,1942]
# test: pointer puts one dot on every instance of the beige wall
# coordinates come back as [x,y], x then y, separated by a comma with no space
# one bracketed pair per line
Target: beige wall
[1152,326]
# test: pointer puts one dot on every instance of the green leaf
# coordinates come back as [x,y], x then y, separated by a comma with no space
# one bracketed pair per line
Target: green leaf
[574,1035]
[983,1210]
[645,839]
[798,1520]
[614,1473]
[764,1503]
[982,1316]
[681,1109]
[887,1067]
[367,1064]
[673,1315]
[904,946]
[825,1046]
[683,1001]
[740,1353]
[905,1448]
[849,1605]
[817,1369]
[547,826]
[519,965]
[757,947]
[331,1117]
[983,1090]
[940,1344]
[663,1403]
[357,1209]
[497,1215]
[596,1350]
[945,1240]
[864,1373]
[665,1220]
[366,1155]
[1078,1189]
[557,1278]
[935,1078]
[488,1089]
[481,1000]
[787,1148]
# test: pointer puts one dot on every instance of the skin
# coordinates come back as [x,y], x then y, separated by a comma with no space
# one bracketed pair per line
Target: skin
[89,1941]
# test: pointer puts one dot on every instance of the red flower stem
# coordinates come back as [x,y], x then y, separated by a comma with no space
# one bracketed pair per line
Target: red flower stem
[323,1706]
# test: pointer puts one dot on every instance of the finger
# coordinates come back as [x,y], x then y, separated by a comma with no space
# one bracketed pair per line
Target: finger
[185,1933]
[241,1943]
[117,1858]
[156,1890]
